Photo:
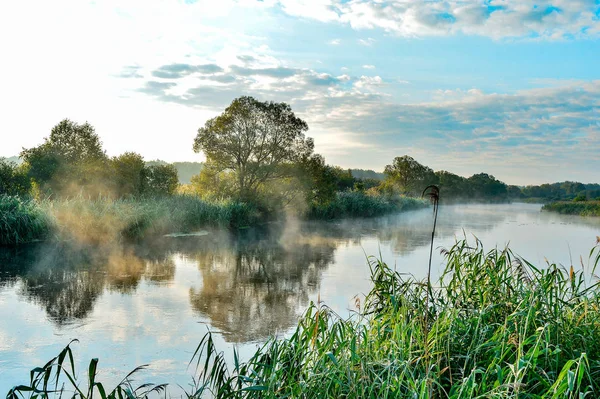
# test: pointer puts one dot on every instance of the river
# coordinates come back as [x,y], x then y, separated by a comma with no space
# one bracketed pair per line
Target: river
[151,304]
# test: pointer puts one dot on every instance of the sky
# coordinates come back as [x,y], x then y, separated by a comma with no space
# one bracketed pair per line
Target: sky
[510,88]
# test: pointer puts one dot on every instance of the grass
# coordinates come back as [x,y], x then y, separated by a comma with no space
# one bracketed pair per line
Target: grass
[582,208]
[495,326]
[359,204]
[22,221]
[104,220]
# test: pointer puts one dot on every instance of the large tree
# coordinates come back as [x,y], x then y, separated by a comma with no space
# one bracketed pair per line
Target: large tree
[72,156]
[409,175]
[128,174]
[254,140]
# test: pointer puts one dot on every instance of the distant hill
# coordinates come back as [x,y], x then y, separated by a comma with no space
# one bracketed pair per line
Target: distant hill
[185,170]
[367,174]
[14,159]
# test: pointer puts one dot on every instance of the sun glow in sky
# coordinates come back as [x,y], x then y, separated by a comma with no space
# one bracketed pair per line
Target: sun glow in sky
[511,88]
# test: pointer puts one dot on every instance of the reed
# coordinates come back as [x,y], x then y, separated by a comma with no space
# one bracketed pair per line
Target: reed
[22,221]
[350,204]
[102,220]
[582,208]
[495,326]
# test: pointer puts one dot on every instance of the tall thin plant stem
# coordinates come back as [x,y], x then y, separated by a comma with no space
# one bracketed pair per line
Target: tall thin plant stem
[433,192]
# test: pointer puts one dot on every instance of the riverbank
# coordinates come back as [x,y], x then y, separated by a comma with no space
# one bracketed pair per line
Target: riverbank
[492,326]
[581,208]
[351,204]
[104,220]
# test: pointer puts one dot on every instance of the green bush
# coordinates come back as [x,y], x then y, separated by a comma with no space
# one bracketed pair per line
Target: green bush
[360,204]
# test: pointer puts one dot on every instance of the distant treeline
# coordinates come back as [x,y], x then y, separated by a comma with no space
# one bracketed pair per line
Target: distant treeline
[71,162]
[256,152]
[562,191]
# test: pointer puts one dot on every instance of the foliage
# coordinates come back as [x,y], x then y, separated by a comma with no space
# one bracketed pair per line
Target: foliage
[71,158]
[582,208]
[13,178]
[160,180]
[486,186]
[495,326]
[560,191]
[22,221]
[409,175]
[44,381]
[253,140]
[453,186]
[129,174]
[211,184]
[103,220]
[349,204]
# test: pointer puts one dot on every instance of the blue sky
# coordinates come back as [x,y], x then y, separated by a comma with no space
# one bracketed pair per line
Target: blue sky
[511,88]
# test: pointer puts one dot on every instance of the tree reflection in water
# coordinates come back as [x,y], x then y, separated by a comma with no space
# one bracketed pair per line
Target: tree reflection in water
[252,289]
[253,283]
[66,279]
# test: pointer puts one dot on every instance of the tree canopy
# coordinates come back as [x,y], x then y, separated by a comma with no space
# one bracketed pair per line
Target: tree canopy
[409,175]
[254,140]
[71,156]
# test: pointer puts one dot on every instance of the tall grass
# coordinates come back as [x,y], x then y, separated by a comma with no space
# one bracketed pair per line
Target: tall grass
[349,204]
[22,221]
[582,208]
[495,326]
[102,220]
[106,219]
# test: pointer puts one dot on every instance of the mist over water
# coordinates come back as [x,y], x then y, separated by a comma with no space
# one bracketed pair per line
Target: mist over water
[151,303]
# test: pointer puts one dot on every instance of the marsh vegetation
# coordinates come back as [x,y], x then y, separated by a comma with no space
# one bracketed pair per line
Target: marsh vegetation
[493,325]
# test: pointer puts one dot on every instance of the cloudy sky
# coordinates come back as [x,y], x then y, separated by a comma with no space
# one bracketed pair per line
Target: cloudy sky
[508,87]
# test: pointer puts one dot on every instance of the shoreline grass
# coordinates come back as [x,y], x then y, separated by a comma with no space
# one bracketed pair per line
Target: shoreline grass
[103,220]
[581,208]
[495,326]
[22,221]
[349,204]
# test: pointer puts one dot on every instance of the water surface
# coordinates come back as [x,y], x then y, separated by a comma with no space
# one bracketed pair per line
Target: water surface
[151,304]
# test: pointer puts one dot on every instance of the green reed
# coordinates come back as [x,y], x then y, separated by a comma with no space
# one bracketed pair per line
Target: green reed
[22,221]
[582,208]
[350,204]
[494,326]
[101,220]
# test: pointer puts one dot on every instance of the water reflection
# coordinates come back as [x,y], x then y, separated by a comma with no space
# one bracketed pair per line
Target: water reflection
[143,303]
[252,289]
[253,283]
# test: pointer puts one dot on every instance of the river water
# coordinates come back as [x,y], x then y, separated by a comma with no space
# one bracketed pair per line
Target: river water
[151,304]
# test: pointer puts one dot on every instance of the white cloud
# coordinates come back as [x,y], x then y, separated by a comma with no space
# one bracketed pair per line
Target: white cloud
[368,66]
[368,82]
[558,19]
[553,128]
[335,42]
[321,10]
[366,42]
